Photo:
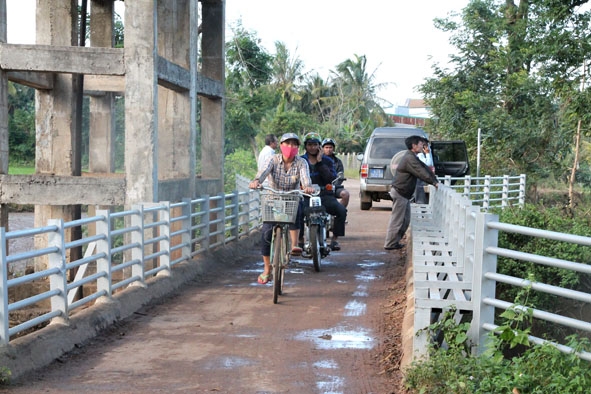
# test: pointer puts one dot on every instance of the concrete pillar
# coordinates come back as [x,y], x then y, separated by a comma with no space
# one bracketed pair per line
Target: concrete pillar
[3,116]
[141,102]
[55,122]
[101,152]
[101,144]
[212,110]
[174,132]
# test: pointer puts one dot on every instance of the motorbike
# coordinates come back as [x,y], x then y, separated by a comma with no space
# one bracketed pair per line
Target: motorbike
[317,224]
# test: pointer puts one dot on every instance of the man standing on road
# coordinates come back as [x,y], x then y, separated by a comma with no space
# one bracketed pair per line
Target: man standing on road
[267,152]
[403,186]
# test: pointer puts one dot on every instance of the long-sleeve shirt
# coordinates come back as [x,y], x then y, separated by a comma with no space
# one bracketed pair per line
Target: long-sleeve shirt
[409,169]
[283,179]
[266,153]
[322,173]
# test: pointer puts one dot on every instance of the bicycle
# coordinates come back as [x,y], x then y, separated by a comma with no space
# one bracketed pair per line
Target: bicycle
[279,208]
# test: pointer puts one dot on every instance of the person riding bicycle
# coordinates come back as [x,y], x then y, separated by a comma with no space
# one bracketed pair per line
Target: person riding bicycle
[328,146]
[287,172]
[322,173]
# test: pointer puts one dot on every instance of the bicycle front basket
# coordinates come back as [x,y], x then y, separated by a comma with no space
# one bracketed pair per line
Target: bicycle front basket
[279,207]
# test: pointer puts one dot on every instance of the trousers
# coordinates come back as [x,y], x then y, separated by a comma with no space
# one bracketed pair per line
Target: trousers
[399,219]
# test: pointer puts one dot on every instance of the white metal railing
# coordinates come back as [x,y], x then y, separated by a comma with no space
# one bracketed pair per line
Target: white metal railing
[122,248]
[455,251]
[488,191]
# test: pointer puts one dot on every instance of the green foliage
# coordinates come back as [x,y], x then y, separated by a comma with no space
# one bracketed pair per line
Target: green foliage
[552,219]
[240,162]
[516,75]
[21,124]
[540,369]
[5,375]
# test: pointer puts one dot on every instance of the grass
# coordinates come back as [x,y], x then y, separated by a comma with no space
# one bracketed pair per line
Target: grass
[18,170]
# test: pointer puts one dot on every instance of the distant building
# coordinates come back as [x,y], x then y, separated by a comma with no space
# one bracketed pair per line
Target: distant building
[413,112]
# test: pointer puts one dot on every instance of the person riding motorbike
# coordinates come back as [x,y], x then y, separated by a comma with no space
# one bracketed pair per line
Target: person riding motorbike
[328,146]
[322,173]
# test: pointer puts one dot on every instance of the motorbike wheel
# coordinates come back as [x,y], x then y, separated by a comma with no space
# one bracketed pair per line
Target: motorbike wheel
[315,247]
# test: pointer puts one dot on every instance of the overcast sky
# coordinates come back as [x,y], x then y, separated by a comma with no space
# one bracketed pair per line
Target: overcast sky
[396,36]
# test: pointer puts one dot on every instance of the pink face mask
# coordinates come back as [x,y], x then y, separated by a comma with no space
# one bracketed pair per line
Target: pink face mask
[289,151]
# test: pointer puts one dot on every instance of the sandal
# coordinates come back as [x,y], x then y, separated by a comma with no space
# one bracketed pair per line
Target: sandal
[263,279]
[296,251]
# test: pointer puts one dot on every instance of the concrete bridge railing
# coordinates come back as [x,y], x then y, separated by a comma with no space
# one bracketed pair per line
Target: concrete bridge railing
[121,249]
[455,259]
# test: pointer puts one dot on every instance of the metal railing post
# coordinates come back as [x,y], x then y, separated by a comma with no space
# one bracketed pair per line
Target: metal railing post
[482,287]
[234,228]
[164,243]
[505,195]
[206,219]
[467,185]
[522,190]
[103,246]
[137,240]
[187,233]
[58,281]
[4,336]
[486,195]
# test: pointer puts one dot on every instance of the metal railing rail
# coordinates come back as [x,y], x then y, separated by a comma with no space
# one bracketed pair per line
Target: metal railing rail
[130,247]
[467,277]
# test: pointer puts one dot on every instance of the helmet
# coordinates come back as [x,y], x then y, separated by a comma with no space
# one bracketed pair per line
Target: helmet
[290,136]
[312,137]
[329,141]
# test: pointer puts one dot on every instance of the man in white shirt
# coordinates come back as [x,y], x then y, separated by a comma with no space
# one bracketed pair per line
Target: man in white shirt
[267,152]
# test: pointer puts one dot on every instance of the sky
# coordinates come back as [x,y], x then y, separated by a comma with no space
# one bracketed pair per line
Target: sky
[397,37]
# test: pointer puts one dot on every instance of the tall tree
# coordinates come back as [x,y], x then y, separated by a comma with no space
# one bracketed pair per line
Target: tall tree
[498,81]
[249,71]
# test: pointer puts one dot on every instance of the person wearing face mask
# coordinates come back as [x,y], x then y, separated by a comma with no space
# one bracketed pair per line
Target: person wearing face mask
[285,171]
[322,173]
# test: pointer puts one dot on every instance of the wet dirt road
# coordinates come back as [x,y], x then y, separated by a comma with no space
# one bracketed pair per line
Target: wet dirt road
[222,333]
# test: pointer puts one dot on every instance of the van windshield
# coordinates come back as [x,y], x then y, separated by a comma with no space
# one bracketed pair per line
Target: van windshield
[386,148]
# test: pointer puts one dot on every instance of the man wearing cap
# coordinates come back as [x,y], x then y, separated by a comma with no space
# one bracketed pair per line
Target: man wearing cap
[328,146]
[403,186]
[322,173]
[287,172]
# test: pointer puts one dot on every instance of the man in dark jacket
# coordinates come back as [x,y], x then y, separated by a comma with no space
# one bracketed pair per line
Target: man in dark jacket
[322,173]
[403,186]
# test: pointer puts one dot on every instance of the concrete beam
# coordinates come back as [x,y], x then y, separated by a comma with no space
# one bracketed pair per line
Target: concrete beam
[103,83]
[33,80]
[61,190]
[62,59]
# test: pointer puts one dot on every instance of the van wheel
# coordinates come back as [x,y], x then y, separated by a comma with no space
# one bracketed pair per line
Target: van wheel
[365,206]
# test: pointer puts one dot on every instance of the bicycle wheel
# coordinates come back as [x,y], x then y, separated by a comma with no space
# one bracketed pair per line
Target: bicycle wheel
[277,262]
[315,246]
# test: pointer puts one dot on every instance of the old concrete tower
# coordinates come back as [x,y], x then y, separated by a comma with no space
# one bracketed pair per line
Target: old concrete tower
[170,70]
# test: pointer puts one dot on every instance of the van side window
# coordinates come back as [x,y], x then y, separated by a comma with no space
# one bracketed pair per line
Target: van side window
[385,148]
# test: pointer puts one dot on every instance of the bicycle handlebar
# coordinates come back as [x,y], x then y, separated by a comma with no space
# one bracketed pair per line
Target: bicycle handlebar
[299,192]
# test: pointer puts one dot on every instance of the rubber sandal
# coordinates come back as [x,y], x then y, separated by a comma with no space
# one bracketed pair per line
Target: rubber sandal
[296,251]
[263,279]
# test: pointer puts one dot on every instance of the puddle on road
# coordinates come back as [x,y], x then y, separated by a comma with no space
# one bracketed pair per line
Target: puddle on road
[228,363]
[326,364]
[361,291]
[366,276]
[355,308]
[329,384]
[370,264]
[337,339]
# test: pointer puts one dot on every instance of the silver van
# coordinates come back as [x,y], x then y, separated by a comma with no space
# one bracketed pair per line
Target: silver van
[375,177]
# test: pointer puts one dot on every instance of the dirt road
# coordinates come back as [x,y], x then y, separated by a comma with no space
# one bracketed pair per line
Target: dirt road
[336,331]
